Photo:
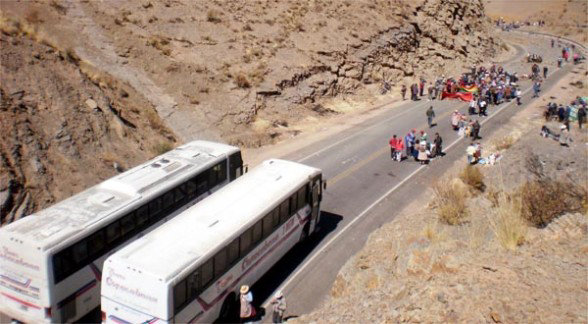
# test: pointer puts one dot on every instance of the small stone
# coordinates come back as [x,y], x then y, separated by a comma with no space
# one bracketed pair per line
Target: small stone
[91,104]
[495,317]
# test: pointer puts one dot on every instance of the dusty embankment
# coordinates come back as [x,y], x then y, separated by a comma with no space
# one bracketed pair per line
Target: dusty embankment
[63,126]
[518,249]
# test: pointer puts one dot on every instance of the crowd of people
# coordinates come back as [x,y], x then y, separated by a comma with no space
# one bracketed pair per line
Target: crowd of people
[416,145]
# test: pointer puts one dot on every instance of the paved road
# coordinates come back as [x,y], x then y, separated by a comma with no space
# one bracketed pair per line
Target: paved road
[366,188]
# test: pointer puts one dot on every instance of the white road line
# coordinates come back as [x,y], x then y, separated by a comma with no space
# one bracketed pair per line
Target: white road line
[360,132]
[365,211]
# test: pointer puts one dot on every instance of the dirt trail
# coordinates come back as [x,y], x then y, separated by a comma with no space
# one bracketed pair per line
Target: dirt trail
[100,52]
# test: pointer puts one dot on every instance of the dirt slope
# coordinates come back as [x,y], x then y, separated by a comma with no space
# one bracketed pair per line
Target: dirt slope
[61,131]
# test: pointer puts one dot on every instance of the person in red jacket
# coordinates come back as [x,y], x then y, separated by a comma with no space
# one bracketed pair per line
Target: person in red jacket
[399,149]
[393,143]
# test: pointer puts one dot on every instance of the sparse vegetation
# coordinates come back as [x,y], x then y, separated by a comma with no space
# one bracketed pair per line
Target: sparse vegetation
[161,148]
[504,142]
[242,81]
[450,201]
[213,16]
[506,222]
[546,199]
[473,177]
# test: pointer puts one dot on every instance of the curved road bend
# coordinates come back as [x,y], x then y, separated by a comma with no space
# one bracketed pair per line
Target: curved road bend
[365,188]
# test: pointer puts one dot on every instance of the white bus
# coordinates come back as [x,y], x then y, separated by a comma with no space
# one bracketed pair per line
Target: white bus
[51,261]
[190,269]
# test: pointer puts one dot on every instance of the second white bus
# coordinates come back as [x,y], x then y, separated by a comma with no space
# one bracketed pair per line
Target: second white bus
[189,270]
[51,261]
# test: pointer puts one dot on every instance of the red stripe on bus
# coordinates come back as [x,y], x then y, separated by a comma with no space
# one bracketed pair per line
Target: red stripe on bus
[206,306]
[21,301]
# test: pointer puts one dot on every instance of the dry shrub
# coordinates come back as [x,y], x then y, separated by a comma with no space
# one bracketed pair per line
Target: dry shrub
[473,177]
[546,199]
[504,142]
[213,16]
[161,148]
[32,17]
[242,81]
[450,201]
[506,222]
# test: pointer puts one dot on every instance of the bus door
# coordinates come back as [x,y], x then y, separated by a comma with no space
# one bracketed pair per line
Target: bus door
[314,204]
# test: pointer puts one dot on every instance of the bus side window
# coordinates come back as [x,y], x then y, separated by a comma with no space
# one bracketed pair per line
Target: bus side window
[301,197]
[201,180]
[168,199]
[179,194]
[284,211]
[220,263]
[211,177]
[276,217]
[112,232]
[268,225]
[207,271]
[179,295]
[293,204]
[154,208]
[80,251]
[233,252]
[193,285]
[127,223]
[63,264]
[191,187]
[96,244]
[257,232]
[221,172]
[246,241]
[142,215]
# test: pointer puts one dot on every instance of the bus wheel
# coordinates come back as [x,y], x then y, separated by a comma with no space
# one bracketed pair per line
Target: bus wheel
[230,310]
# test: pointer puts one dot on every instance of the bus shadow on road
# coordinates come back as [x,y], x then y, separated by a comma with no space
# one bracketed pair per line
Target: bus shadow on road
[267,284]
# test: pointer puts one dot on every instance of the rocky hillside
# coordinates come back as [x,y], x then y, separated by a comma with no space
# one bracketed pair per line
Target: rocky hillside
[62,131]
[246,71]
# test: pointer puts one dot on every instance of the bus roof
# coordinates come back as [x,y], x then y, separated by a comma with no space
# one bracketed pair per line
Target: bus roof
[203,228]
[50,226]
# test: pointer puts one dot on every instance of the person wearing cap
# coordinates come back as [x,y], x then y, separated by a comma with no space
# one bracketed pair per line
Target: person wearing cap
[247,311]
[278,307]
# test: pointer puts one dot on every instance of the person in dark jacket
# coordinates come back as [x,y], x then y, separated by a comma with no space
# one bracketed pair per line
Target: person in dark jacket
[438,145]
[581,116]
[476,130]
[430,116]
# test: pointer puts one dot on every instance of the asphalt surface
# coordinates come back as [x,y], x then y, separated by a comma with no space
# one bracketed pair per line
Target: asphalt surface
[366,188]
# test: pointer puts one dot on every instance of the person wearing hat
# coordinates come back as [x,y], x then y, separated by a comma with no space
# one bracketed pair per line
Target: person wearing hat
[278,307]
[247,311]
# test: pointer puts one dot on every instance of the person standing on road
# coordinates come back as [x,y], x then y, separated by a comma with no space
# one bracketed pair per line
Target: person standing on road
[545,69]
[438,145]
[581,116]
[393,143]
[552,43]
[430,116]
[408,142]
[278,307]
[476,130]
[518,94]
[536,89]
[559,61]
[403,92]
[422,87]
[247,311]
